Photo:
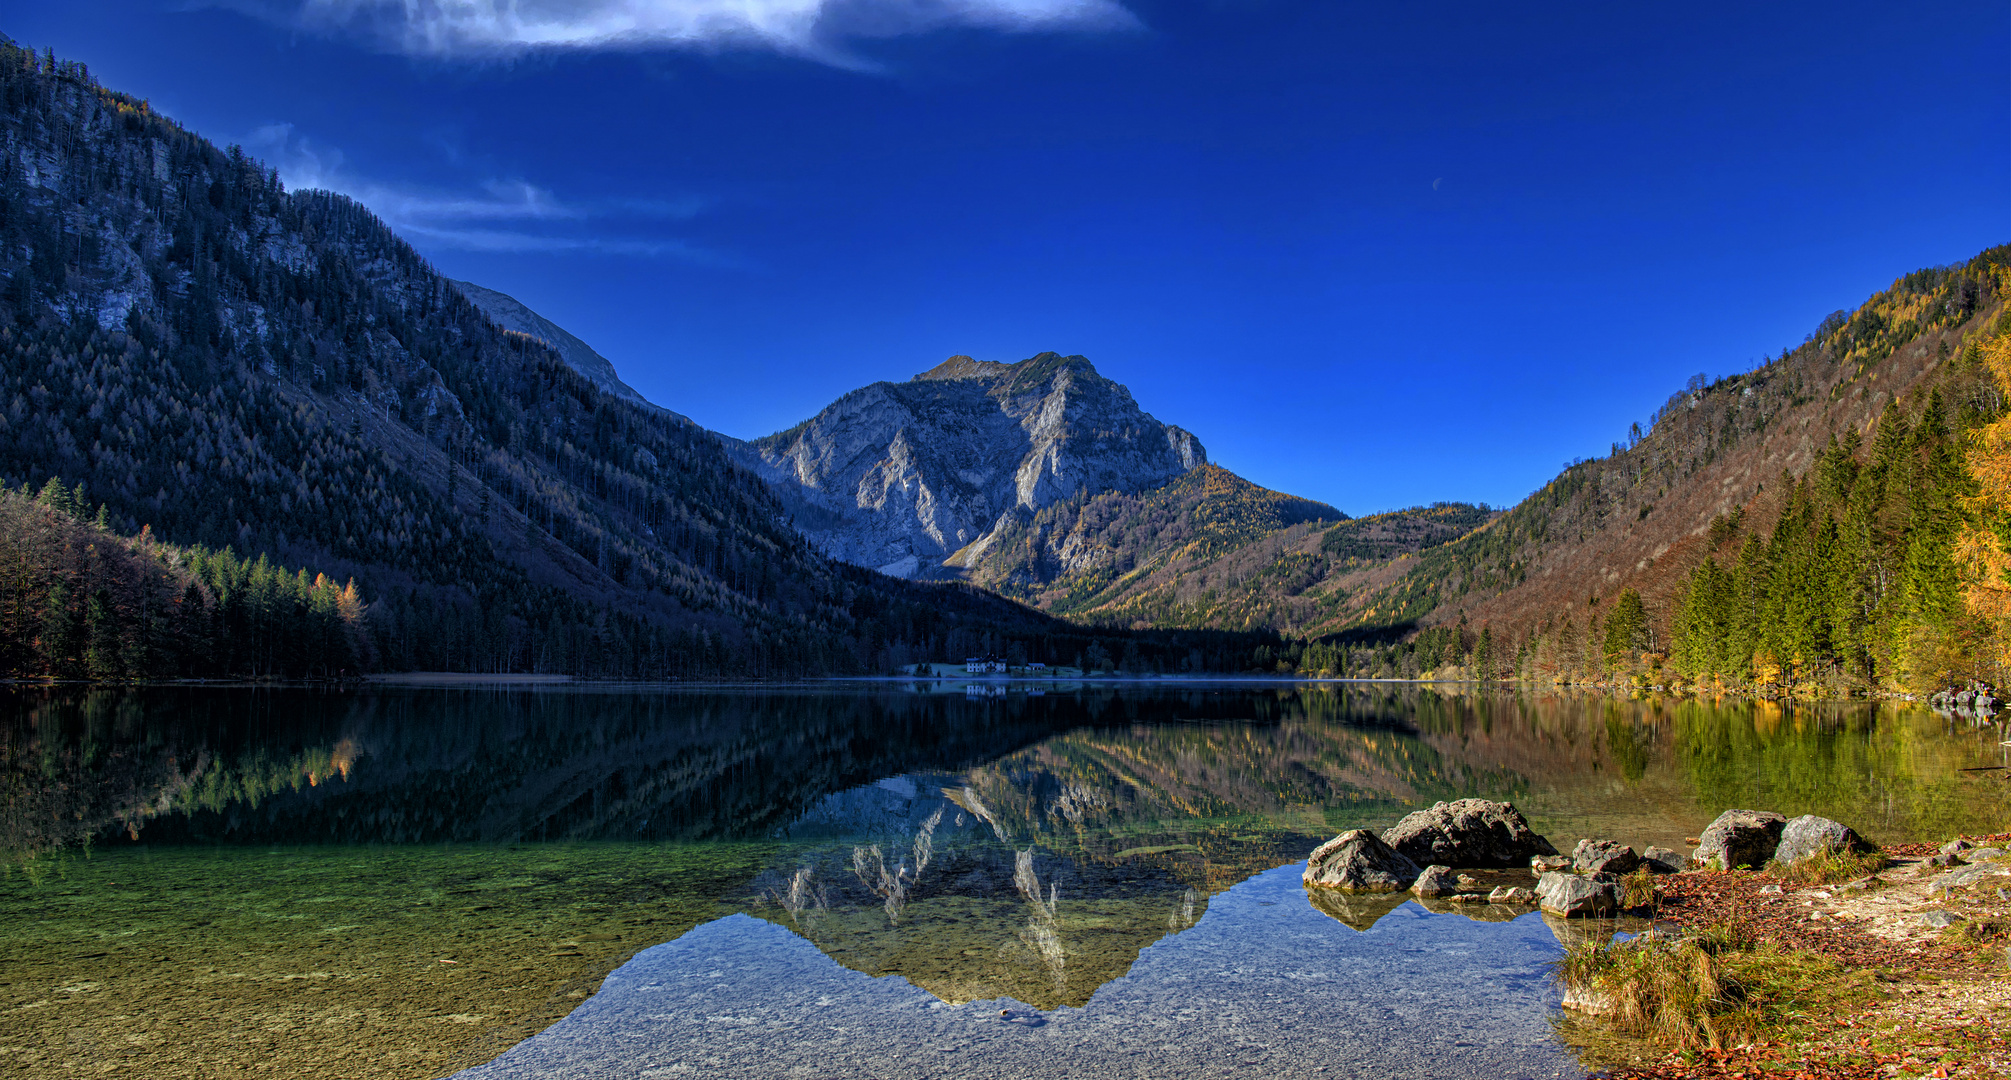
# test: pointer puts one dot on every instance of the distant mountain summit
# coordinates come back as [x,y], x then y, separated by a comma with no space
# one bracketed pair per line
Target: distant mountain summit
[510,313]
[918,479]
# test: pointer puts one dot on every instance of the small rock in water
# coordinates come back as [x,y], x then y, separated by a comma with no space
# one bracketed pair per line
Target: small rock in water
[1468,898]
[1511,894]
[1359,861]
[1603,857]
[1468,881]
[1939,919]
[1571,895]
[1543,864]
[1434,882]
[1661,860]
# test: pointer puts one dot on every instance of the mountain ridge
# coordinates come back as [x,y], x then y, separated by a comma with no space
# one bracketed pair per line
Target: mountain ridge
[513,314]
[228,364]
[903,476]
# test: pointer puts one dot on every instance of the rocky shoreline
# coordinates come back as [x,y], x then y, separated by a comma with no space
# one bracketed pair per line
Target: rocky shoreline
[1922,937]
[1933,938]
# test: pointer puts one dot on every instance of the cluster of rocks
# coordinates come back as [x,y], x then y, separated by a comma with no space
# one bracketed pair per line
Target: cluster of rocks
[1469,833]
[1421,854]
[1967,864]
[1749,839]
[1977,698]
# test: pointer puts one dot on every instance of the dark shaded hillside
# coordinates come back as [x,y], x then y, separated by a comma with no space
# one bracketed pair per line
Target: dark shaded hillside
[233,364]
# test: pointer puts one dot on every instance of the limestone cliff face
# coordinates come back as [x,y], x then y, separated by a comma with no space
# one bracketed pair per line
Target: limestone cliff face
[917,478]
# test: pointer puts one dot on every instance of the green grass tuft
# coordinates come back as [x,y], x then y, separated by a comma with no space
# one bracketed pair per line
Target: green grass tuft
[1829,868]
[1720,987]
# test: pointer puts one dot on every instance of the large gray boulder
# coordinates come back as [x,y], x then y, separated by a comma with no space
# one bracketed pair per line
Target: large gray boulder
[1359,861]
[1740,838]
[1467,832]
[1809,836]
[1603,857]
[1575,896]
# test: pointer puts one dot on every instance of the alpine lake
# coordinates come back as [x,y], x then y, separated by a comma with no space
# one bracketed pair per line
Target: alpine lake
[871,879]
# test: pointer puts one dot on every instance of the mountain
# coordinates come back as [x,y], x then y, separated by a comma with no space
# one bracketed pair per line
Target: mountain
[1146,557]
[218,363]
[510,313]
[1213,550]
[1832,521]
[1880,388]
[921,478]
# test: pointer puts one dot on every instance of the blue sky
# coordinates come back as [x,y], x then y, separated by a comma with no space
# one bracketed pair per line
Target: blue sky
[1369,256]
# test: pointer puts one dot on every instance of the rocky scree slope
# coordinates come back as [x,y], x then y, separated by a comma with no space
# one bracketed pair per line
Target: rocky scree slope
[236,364]
[920,478]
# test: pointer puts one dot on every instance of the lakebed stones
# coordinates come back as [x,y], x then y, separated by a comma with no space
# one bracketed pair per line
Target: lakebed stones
[1511,894]
[1543,864]
[1436,881]
[1359,861]
[1603,857]
[1467,832]
[1740,838]
[1574,896]
[1809,837]
[1661,860]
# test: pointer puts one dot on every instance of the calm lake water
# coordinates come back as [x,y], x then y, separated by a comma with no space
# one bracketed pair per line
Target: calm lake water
[862,880]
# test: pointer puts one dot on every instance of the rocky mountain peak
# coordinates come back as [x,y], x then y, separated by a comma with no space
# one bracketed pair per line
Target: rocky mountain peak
[906,477]
[964,367]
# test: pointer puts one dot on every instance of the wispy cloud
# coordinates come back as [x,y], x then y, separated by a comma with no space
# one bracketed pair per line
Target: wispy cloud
[811,28]
[474,219]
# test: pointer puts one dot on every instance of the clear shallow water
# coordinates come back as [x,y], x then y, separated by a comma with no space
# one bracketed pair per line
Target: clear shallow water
[422,878]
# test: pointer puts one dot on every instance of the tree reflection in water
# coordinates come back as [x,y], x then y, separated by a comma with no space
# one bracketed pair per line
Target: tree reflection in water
[1015,845]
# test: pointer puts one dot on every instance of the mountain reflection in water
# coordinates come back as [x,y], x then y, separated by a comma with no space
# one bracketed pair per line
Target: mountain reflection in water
[1012,845]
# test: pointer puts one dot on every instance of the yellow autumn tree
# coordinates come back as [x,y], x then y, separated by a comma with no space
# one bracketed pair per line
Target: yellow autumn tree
[1980,549]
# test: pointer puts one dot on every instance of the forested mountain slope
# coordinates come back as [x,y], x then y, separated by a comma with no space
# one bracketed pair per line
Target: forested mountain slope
[1148,557]
[238,366]
[510,313]
[1792,525]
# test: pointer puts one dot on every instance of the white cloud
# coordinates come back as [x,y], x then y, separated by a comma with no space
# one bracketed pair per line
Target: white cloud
[450,218]
[803,27]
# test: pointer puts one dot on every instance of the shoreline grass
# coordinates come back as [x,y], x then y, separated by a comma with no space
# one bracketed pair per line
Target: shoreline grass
[1719,987]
